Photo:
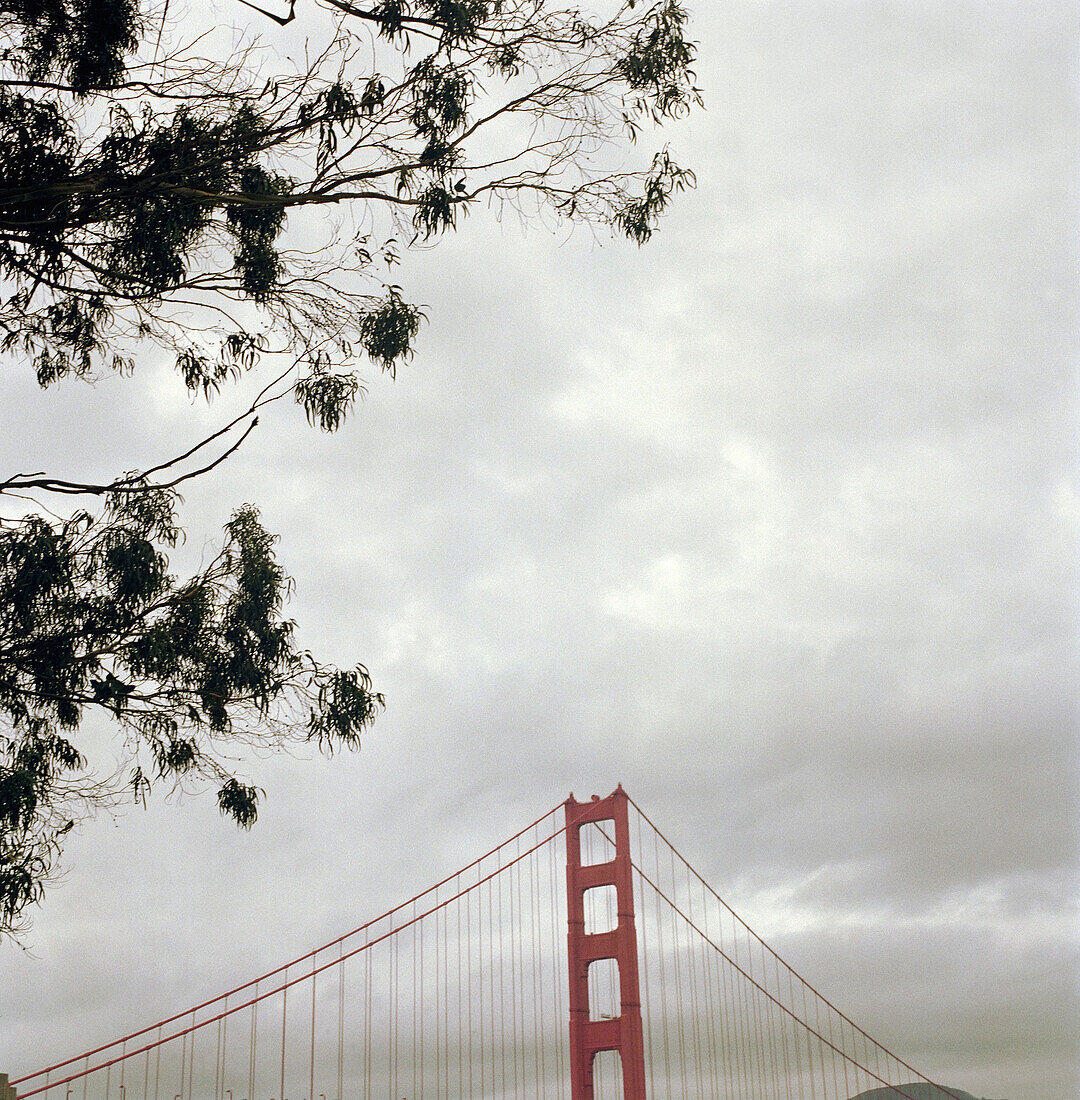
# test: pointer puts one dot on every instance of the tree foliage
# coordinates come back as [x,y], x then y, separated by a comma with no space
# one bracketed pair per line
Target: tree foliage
[153,195]
[91,617]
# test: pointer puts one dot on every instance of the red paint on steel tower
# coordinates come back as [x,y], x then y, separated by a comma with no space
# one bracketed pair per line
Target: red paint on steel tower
[623,1033]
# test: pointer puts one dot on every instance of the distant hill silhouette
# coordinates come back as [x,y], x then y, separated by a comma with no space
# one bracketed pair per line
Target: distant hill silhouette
[917,1090]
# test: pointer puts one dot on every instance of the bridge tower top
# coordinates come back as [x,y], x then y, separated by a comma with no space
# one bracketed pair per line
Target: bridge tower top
[622,1034]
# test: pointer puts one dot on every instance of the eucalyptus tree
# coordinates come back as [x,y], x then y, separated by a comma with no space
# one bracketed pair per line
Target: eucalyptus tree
[152,192]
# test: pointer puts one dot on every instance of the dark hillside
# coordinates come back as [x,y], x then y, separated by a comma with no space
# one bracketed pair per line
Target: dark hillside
[917,1090]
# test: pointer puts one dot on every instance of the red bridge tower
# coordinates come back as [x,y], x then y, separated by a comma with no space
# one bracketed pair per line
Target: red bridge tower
[623,1033]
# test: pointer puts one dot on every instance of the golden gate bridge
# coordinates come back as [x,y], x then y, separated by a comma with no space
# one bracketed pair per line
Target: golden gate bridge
[581,959]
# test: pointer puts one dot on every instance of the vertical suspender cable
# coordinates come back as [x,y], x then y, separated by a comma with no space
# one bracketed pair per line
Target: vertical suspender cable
[663,975]
[552,1014]
[723,1087]
[395,985]
[810,1052]
[369,967]
[770,1017]
[535,969]
[340,1027]
[877,1061]
[421,1004]
[704,1014]
[502,979]
[821,1047]
[709,1023]
[460,1003]
[496,990]
[839,1062]
[822,1050]
[735,1039]
[438,1008]
[485,987]
[284,1007]
[251,1061]
[743,996]
[796,1045]
[727,1057]
[157,1065]
[678,990]
[734,1056]
[564,1005]
[515,971]
[695,1008]
[759,1029]
[761,1016]
[224,1047]
[523,982]
[548,956]
[446,1001]
[469,973]
[645,964]
[490,968]
[753,1029]
[480,1031]
[391,1013]
[311,1059]
[844,1062]
[783,1033]
[191,1056]
[217,1064]
[415,1002]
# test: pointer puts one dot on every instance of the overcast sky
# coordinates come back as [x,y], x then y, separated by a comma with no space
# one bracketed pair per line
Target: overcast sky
[773,521]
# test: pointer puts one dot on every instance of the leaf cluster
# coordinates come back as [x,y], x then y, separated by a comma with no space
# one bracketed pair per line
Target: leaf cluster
[82,43]
[92,618]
